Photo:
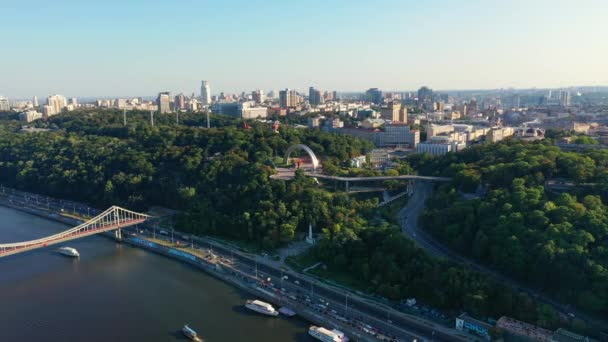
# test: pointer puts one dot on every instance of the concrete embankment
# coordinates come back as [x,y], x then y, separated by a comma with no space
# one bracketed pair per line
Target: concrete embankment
[217,270]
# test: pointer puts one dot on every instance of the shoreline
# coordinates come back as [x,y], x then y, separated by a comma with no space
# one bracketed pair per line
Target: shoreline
[195,261]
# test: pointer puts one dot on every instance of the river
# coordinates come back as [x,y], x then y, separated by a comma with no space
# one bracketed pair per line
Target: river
[115,292]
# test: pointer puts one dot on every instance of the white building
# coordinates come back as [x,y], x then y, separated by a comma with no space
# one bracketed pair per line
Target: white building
[30,115]
[48,111]
[440,145]
[249,110]
[4,104]
[121,103]
[358,161]
[205,93]
[244,110]
[57,102]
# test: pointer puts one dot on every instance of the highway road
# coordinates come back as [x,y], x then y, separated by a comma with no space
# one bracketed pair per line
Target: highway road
[408,217]
[382,318]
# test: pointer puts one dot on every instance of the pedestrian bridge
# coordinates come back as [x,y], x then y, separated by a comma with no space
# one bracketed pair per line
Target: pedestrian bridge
[114,218]
[379,178]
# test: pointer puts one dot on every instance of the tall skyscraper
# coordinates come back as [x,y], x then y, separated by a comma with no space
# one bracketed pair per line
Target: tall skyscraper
[425,95]
[35,101]
[4,104]
[163,101]
[180,102]
[288,98]
[314,96]
[205,93]
[374,95]
[57,103]
[258,96]
[565,99]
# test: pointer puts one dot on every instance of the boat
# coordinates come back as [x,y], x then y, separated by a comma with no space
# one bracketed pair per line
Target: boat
[69,251]
[190,333]
[287,311]
[261,307]
[341,335]
[324,335]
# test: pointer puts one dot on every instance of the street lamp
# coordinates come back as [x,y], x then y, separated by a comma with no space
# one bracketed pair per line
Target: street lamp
[346,304]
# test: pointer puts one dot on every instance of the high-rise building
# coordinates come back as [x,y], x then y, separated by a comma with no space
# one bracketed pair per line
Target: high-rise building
[4,104]
[425,95]
[564,98]
[392,111]
[57,103]
[258,96]
[314,96]
[163,101]
[335,95]
[121,103]
[180,102]
[205,93]
[35,101]
[288,98]
[374,95]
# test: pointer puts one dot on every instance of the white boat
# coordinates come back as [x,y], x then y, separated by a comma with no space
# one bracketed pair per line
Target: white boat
[190,333]
[324,335]
[261,307]
[69,251]
[341,335]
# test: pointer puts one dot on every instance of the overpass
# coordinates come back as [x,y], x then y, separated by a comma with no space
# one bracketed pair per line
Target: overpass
[114,218]
[349,180]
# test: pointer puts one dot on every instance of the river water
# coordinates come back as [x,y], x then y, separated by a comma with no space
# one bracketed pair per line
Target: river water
[115,292]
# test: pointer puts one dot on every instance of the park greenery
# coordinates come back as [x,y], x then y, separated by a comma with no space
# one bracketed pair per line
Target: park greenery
[501,210]
[219,180]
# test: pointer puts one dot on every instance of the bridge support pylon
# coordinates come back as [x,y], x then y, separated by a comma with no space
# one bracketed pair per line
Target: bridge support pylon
[118,235]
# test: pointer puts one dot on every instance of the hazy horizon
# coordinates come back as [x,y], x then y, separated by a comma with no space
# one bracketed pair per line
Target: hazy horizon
[139,48]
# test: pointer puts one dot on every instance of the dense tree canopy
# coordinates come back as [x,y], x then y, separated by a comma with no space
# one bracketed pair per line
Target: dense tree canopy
[219,180]
[548,238]
[218,176]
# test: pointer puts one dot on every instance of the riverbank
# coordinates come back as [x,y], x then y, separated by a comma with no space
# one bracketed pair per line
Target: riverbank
[355,309]
[211,266]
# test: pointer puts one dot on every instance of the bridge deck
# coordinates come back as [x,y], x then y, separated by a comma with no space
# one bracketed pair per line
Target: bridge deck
[68,237]
[379,178]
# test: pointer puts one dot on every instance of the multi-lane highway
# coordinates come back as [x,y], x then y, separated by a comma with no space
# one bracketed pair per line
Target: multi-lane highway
[409,216]
[346,304]
[349,305]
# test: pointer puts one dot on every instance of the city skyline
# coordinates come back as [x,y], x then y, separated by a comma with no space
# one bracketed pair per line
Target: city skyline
[344,45]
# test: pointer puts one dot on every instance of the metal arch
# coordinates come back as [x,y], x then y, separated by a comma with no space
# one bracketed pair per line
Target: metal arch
[114,218]
[313,157]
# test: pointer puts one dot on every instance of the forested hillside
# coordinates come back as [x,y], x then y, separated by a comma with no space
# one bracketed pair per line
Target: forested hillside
[555,241]
[219,180]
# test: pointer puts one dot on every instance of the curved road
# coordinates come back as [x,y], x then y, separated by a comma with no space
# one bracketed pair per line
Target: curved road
[408,218]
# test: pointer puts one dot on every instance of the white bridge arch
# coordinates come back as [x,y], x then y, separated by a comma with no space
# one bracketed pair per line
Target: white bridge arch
[313,157]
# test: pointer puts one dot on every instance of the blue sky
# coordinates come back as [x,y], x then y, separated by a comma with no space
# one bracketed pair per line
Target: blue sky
[134,47]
